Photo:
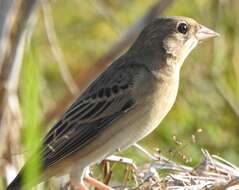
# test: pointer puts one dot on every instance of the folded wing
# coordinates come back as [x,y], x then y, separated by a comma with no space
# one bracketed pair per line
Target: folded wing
[105,101]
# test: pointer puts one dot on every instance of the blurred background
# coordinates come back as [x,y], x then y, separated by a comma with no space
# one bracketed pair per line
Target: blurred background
[50,50]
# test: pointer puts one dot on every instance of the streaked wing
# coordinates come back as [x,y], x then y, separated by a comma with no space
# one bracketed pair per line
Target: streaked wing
[105,101]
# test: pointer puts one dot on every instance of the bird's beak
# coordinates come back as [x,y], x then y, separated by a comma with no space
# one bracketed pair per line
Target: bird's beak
[204,33]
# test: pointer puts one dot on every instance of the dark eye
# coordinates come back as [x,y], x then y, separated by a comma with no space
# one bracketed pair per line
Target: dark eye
[182,28]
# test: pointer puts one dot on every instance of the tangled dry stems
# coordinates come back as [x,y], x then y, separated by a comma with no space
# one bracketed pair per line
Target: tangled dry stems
[212,173]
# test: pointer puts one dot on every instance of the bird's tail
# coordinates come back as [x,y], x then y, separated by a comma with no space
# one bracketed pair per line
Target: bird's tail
[15,184]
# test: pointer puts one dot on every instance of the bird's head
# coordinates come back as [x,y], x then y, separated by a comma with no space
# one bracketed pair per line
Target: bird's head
[181,34]
[171,37]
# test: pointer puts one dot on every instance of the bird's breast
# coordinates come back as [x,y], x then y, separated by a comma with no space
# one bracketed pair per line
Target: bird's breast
[155,106]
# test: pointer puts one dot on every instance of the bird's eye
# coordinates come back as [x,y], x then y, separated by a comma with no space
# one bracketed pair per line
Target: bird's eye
[182,28]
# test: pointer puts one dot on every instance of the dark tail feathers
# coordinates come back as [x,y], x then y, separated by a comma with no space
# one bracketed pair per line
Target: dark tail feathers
[15,184]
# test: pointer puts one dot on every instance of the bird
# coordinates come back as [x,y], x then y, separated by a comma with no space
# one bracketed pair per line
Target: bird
[122,105]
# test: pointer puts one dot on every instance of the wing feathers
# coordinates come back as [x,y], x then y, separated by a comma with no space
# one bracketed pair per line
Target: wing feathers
[92,111]
[81,136]
[102,103]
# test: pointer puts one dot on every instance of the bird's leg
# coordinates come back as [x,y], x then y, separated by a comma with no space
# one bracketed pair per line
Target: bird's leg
[97,183]
[84,176]
[76,185]
[77,179]
[92,181]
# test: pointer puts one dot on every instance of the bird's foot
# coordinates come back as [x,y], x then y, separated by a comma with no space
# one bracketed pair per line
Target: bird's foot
[97,183]
[82,186]
[74,185]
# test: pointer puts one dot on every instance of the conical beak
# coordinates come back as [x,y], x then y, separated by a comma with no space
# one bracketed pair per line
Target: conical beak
[204,33]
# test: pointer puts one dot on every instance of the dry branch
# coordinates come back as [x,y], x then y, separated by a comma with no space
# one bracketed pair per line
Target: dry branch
[213,173]
[14,24]
[55,48]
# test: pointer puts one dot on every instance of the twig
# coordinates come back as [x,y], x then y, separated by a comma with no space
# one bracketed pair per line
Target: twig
[106,14]
[228,97]
[19,15]
[125,40]
[55,47]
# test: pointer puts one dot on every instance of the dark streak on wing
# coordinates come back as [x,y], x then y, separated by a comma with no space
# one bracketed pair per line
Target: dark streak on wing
[80,135]
[93,110]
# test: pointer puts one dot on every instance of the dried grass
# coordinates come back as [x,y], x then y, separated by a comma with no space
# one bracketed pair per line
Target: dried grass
[213,173]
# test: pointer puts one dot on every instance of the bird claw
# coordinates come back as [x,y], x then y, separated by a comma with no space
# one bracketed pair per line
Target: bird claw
[96,183]
[73,185]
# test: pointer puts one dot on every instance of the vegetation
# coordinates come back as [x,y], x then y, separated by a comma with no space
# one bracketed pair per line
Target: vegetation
[68,41]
